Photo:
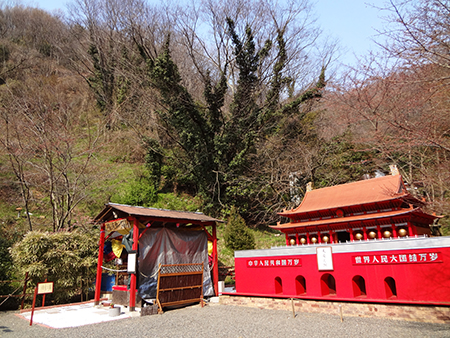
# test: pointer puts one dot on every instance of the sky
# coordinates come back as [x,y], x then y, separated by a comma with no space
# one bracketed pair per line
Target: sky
[352,22]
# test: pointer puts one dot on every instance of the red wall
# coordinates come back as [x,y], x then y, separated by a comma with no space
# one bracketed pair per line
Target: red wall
[415,281]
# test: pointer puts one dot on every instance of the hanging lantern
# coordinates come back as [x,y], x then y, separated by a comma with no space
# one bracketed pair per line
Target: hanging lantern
[292,241]
[372,234]
[387,234]
[314,239]
[402,232]
[359,236]
[325,239]
[303,240]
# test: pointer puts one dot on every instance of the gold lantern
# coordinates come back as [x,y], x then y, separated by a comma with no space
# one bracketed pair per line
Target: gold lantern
[325,239]
[303,240]
[314,239]
[292,241]
[359,236]
[372,234]
[387,234]
[402,232]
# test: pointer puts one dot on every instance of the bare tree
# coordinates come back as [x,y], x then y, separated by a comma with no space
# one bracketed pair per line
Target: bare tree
[403,118]
[417,32]
[49,144]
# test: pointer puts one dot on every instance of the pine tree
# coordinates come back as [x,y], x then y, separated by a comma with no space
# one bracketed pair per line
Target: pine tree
[237,236]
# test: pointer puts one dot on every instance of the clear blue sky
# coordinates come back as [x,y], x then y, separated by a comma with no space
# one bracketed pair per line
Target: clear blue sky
[353,22]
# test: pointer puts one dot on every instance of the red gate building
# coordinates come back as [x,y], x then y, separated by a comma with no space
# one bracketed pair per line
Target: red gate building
[365,241]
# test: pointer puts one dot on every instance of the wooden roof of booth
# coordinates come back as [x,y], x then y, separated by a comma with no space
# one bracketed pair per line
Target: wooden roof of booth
[113,211]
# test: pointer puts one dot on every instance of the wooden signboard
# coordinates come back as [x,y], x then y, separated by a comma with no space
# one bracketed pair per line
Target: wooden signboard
[118,224]
[45,288]
[179,284]
[41,289]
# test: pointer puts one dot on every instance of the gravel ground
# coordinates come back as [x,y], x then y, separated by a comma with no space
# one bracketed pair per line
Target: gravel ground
[229,321]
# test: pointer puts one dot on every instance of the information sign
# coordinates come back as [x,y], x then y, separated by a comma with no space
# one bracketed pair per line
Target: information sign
[324,258]
[44,288]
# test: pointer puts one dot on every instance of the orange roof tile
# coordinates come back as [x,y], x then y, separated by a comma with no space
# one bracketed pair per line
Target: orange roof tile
[355,193]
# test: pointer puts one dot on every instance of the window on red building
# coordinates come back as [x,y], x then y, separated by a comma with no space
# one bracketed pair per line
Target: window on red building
[328,285]
[359,286]
[278,285]
[300,285]
[391,289]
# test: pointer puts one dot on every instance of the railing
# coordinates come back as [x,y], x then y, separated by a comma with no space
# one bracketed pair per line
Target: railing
[353,241]
[22,295]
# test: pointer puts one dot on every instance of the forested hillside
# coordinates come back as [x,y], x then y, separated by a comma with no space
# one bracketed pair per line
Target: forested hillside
[211,105]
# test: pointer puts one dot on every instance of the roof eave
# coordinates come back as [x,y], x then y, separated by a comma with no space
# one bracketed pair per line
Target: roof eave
[348,219]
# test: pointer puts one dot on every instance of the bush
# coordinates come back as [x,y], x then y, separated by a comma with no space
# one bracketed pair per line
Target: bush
[173,201]
[237,236]
[139,192]
[62,257]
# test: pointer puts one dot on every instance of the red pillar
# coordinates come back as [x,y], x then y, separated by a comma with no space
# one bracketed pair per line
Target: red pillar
[410,230]
[133,275]
[331,237]
[215,260]
[98,280]
[352,238]
[308,241]
[287,239]
[319,240]
[394,231]
[296,239]
[380,235]
[365,233]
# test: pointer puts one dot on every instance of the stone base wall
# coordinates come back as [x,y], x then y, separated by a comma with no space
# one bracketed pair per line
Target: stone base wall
[123,298]
[428,314]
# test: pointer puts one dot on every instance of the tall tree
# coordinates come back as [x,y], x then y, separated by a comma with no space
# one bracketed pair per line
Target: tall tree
[217,143]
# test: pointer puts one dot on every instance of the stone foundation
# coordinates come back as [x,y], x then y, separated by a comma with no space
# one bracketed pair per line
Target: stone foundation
[121,297]
[149,310]
[428,314]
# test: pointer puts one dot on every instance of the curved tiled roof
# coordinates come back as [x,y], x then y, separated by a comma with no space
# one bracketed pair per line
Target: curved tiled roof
[356,193]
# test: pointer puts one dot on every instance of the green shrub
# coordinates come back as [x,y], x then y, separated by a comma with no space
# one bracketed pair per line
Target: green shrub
[173,201]
[237,236]
[139,192]
[62,257]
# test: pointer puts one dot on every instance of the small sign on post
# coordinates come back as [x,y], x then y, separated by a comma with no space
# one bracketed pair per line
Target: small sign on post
[132,258]
[41,289]
[44,288]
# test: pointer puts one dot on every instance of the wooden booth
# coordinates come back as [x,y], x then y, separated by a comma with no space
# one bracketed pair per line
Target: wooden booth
[163,254]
